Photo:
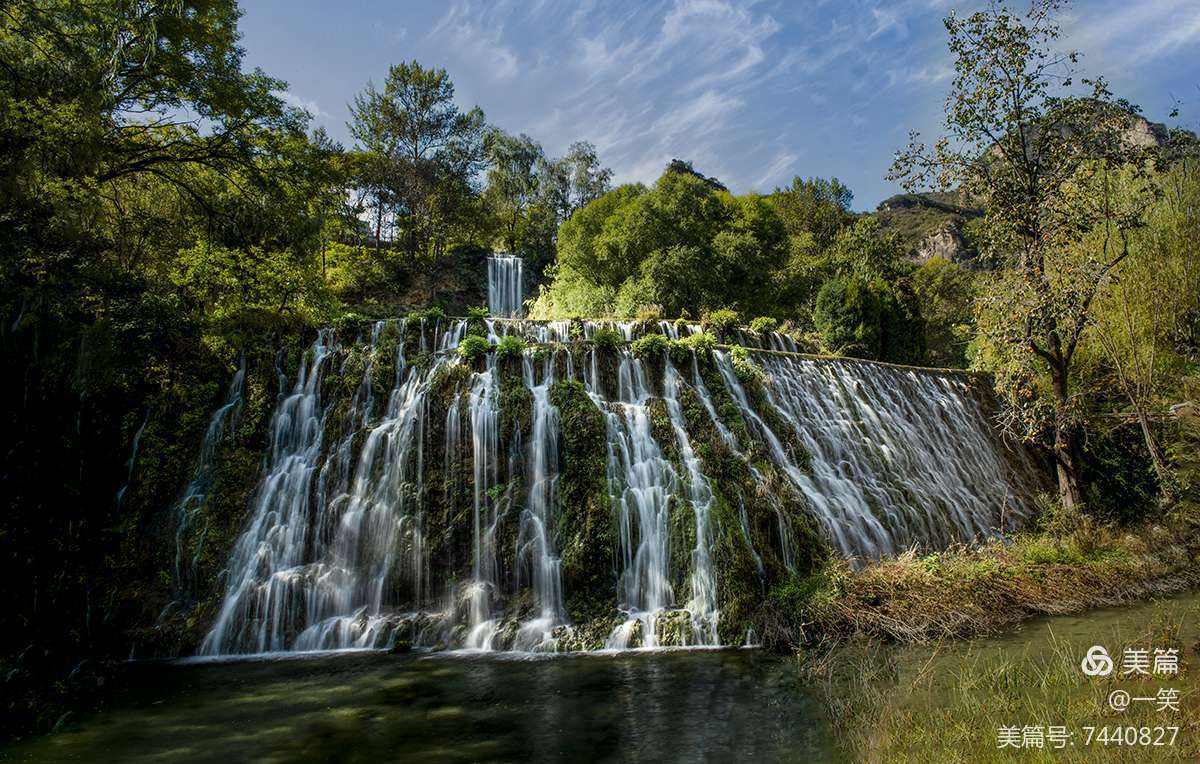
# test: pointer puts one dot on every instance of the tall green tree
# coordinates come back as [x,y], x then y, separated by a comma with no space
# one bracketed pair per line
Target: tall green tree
[513,188]
[814,207]
[574,180]
[422,153]
[1043,160]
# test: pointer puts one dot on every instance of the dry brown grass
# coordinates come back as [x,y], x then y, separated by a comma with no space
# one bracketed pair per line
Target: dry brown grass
[965,592]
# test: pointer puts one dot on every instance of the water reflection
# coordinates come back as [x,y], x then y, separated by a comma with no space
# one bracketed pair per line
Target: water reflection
[673,706]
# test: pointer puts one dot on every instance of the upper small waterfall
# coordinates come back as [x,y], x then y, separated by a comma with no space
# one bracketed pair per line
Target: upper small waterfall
[506,286]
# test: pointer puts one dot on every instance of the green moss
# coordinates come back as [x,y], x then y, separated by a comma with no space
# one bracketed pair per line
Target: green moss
[516,407]
[586,529]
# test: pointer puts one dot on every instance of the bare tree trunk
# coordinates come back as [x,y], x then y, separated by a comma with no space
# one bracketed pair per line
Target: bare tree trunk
[1070,482]
[378,223]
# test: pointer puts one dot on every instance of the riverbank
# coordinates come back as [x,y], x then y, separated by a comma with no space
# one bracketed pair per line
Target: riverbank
[1069,565]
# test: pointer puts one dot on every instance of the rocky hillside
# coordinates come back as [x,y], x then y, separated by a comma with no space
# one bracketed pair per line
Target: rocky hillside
[938,224]
[931,224]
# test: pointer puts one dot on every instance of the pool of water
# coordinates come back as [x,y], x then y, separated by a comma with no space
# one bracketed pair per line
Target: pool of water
[673,705]
[371,706]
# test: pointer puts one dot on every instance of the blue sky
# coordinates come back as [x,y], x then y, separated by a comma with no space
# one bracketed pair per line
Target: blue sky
[753,92]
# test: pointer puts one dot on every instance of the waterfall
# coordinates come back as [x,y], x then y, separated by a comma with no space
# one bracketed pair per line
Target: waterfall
[896,458]
[702,606]
[485,447]
[535,541]
[506,286]
[642,482]
[132,460]
[192,502]
[351,542]
[266,569]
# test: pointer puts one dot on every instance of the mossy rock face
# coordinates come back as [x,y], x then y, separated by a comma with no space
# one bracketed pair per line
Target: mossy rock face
[516,407]
[587,532]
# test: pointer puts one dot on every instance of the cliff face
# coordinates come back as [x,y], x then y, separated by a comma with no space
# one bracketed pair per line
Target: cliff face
[934,224]
[930,225]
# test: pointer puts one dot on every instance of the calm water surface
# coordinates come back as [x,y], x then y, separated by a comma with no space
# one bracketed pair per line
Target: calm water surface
[664,706]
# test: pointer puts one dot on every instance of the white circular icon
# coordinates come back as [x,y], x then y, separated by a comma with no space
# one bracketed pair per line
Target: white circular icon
[1096,662]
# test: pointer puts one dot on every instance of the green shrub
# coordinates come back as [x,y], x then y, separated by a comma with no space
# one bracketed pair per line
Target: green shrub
[649,314]
[473,347]
[477,313]
[649,346]
[429,314]
[868,319]
[722,320]
[701,344]
[744,367]
[763,325]
[607,339]
[509,346]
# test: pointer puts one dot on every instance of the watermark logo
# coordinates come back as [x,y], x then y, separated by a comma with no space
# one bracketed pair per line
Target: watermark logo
[1096,662]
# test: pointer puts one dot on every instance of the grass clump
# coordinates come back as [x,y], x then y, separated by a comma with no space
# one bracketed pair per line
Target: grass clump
[429,314]
[744,367]
[763,325]
[968,591]
[722,321]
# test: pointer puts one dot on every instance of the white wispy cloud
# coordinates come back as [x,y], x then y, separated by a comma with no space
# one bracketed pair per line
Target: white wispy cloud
[477,33]
[311,106]
[749,90]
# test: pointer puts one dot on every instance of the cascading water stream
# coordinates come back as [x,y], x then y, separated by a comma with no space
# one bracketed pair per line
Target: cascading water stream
[506,286]
[536,551]
[702,606]
[485,445]
[643,483]
[347,547]
[897,457]
[191,503]
[266,568]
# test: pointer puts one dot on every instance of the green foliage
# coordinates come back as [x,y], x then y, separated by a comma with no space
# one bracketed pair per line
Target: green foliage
[763,325]
[428,314]
[946,293]
[814,209]
[605,338]
[702,344]
[681,246]
[1049,162]
[418,155]
[477,313]
[1120,479]
[723,321]
[508,348]
[865,319]
[649,346]
[473,347]
[744,366]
